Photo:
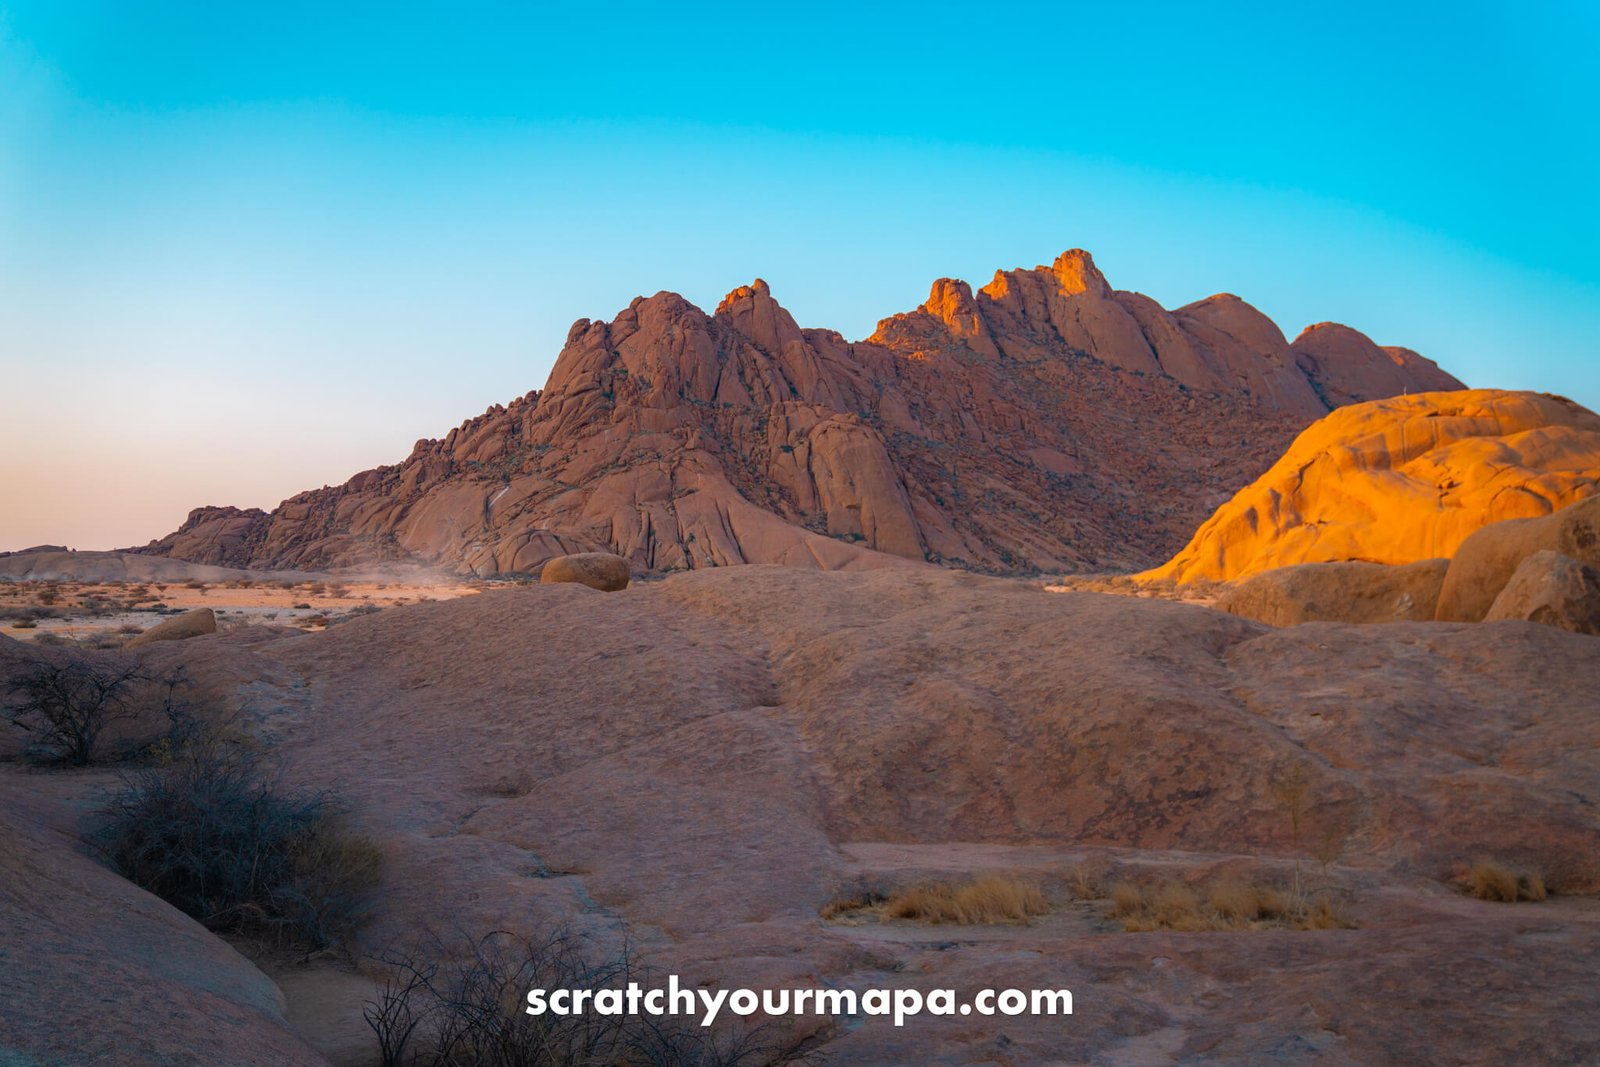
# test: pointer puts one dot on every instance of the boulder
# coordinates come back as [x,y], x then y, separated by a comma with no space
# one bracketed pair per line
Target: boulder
[179,627]
[1487,560]
[1553,589]
[1400,480]
[1339,592]
[597,570]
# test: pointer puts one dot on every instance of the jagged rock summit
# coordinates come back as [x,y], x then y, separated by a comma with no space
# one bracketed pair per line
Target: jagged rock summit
[1046,422]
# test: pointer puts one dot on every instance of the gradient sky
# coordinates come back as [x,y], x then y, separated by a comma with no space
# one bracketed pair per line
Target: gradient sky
[246,252]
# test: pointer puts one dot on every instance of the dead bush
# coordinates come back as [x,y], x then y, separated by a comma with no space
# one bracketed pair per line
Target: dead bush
[65,701]
[441,1007]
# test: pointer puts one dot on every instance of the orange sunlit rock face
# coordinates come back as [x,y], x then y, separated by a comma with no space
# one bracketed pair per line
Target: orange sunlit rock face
[1400,480]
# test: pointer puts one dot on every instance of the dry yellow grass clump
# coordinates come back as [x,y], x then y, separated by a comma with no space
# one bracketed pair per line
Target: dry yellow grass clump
[1227,905]
[1492,881]
[988,900]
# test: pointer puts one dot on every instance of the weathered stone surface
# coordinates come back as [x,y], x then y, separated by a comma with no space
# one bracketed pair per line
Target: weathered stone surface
[1552,589]
[1488,559]
[740,746]
[180,627]
[712,758]
[98,971]
[1400,480]
[1346,367]
[1045,422]
[597,570]
[1338,592]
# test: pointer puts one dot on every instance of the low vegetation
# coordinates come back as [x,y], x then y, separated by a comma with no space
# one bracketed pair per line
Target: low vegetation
[1224,905]
[212,830]
[1494,881]
[64,702]
[988,900]
[441,1007]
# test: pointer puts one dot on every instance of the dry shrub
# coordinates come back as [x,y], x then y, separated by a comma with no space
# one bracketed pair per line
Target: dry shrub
[450,1006]
[846,906]
[63,702]
[1083,883]
[214,832]
[1225,905]
[1126,899]
[991,899]
[1493,881]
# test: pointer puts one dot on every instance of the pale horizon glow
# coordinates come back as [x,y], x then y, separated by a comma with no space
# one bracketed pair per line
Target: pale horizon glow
[243,255]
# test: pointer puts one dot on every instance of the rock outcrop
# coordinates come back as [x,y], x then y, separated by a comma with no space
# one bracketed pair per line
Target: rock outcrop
[194,623]
[1045,422]
[597,570]
[1552,589]
[1488,559]
[1400,480]
[1351,591]
[99,971]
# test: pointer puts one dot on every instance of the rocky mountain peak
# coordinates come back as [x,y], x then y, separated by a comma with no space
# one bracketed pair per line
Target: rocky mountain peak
[1044,422]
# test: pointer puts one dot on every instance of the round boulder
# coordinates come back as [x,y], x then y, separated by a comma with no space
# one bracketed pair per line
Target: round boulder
[1486,560]
[597,570]
[1553,589]
[189,624]
[1351,591]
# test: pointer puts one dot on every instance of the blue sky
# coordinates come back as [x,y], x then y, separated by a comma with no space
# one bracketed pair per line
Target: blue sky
[245,252]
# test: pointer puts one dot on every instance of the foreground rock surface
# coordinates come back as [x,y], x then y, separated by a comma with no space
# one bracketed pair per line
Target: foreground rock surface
[1552,589]
[597,570]
[1042,422]
[94,970]
[711,759]
[1338,592]
[1401,480]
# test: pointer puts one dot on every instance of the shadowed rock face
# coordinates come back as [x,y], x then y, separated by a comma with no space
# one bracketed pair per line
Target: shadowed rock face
[1487,560]
[1401,480]
[1045,422]
[1349,591]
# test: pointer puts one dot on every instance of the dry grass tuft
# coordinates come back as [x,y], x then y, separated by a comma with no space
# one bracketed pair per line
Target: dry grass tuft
[846,906]
[992,899]
[1126,899]
[1492,881]
[1226,905]
[1083,883]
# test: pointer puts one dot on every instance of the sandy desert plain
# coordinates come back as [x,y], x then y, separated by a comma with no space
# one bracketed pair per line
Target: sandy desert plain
[1020,646]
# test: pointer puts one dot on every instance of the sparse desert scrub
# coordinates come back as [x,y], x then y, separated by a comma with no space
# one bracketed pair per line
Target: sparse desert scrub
[64,702]
[1488,880]
[440,1007]
[986,900]
[212,830]
[1225,905]
[24,624]
[1084,882]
